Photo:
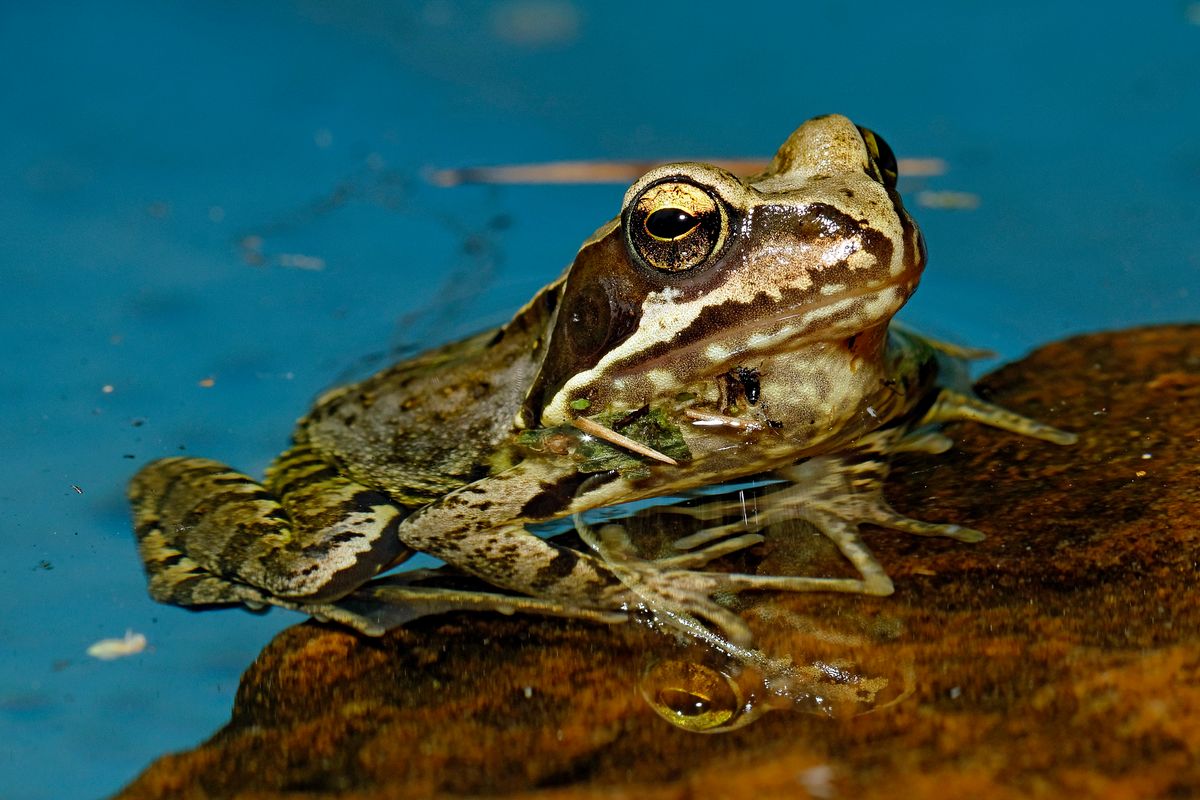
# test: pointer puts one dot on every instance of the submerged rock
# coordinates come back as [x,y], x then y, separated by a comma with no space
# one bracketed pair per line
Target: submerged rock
[1060,656]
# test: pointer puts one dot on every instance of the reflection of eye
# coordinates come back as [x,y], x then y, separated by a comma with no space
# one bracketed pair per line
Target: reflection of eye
[675,226]
[692,696]
[882,157]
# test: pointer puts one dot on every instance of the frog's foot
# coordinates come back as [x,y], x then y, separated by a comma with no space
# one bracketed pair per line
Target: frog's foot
[679,598]
[209,535]
[668,592]
[834,495]
[951,405]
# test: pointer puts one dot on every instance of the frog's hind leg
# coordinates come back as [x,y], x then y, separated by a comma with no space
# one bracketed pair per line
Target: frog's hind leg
[208,534]
[951,405]
[309,541]
[175,579]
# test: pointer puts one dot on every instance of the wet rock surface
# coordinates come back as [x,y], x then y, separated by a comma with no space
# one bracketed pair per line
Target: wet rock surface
[1059,657]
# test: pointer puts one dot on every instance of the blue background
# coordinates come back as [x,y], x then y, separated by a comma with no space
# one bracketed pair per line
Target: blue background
[168,171]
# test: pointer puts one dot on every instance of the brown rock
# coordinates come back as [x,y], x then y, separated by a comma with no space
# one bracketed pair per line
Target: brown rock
[1059,657]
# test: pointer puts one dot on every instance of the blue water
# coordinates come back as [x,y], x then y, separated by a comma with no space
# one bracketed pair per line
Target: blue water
[144,146]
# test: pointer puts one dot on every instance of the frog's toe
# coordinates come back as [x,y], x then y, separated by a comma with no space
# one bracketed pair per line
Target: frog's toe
[612,543]
[702,556]
[952,405]
[886,517]
[706,535]
[930,442]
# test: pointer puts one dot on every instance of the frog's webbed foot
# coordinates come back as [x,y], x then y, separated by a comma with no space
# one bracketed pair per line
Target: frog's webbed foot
[835,495]
[681,601]
[209,535]
[951,406]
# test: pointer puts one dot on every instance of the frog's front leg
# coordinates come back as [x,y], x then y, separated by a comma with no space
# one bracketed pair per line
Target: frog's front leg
[480,528]
[208,534]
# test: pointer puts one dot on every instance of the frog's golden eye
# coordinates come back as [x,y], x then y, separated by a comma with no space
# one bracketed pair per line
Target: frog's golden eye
[675,226]
[882,157]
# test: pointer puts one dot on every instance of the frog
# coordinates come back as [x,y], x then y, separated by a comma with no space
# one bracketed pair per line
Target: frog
[717,329]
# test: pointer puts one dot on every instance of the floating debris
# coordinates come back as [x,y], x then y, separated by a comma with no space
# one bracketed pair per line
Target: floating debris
[953,201]
[301,261]
[109,649]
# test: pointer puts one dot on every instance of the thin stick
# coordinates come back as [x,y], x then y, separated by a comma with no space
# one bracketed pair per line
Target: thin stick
[609,435]
[623,171]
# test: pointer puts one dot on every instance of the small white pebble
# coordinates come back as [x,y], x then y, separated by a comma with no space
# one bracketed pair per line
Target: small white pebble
[528,690]
[1147,456]
[817,781]
[108,649]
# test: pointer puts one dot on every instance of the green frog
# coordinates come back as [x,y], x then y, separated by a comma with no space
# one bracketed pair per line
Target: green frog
[719,328]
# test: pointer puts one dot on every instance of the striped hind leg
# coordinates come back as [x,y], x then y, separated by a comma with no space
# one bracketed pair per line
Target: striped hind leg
[210,535]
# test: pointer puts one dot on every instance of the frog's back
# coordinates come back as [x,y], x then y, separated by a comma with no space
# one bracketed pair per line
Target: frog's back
[426,426]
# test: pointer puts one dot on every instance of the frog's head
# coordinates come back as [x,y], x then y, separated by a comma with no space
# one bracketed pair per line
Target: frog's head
[703,271]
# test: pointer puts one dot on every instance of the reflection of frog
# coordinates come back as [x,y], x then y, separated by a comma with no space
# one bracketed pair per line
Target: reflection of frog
[837,667]
[716,329]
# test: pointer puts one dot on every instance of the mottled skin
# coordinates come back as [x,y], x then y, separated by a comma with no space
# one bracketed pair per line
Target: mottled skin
[752,315]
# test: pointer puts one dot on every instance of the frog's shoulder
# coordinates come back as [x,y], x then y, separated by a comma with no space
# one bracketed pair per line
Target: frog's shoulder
[437,420]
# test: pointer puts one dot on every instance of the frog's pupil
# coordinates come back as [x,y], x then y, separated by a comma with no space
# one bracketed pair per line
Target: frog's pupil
[683,702]
[670,223]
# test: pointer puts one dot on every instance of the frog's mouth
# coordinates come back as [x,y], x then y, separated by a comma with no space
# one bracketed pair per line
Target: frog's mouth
[830,319]
[721,337]
[708,345]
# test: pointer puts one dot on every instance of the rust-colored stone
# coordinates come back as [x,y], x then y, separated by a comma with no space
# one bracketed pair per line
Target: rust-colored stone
[1059,657]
